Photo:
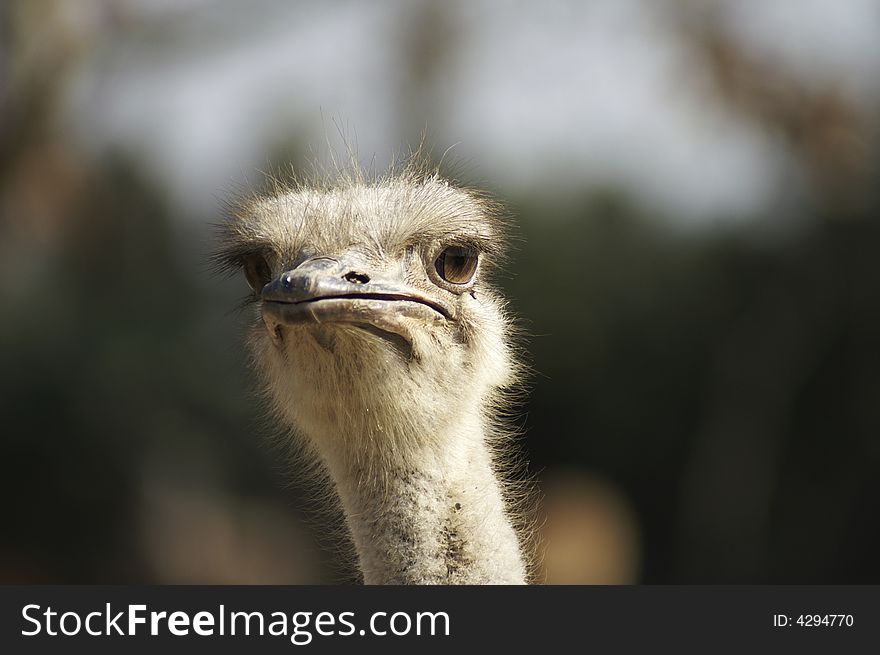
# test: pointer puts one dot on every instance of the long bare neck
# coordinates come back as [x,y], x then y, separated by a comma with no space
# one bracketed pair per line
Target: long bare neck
[438,517]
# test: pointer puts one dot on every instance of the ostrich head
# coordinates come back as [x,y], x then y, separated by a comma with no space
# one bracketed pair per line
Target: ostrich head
[383,345]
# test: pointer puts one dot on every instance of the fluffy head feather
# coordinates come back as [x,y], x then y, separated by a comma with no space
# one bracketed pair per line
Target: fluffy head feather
[342,380]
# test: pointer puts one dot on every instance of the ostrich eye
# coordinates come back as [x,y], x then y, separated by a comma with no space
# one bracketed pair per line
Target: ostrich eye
[257,272]
[457,264]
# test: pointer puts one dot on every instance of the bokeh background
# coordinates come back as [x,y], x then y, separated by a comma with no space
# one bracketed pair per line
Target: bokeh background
[697,266]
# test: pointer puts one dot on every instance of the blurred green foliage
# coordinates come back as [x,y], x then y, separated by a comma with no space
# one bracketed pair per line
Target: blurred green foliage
[730,385]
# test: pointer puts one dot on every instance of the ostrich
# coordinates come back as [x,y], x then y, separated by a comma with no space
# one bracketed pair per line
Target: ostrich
[382,345]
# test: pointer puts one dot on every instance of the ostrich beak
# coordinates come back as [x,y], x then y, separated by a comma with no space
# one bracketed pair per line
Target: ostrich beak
[333,290]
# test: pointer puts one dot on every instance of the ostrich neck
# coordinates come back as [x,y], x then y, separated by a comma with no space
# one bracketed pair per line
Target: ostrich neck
[435,518]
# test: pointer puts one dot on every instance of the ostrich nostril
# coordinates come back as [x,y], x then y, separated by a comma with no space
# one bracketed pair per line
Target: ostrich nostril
[356,278]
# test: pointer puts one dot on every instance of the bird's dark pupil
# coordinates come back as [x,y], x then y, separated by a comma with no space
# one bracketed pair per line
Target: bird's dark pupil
[456,264]
[257,272]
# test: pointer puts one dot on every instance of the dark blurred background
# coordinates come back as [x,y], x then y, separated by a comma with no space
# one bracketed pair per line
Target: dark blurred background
[696,185]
